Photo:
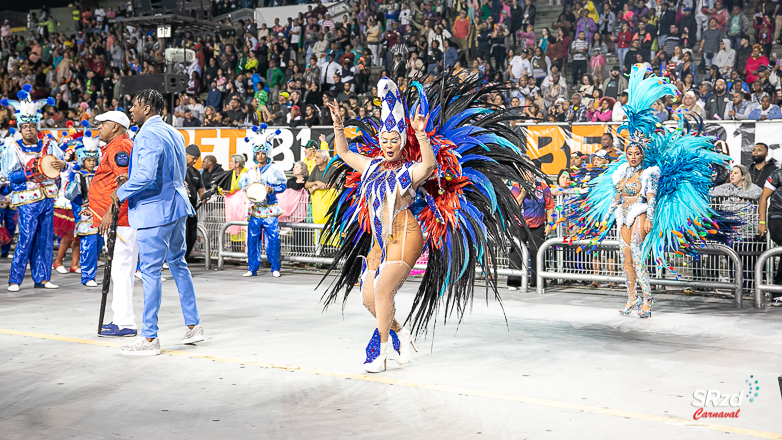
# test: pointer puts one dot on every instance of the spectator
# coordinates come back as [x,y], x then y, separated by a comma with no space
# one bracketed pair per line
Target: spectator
[554,91]
[538,209]
[710,44]
[451,55]
[765,111]
[190,121]
[739,108]
[623,41]
[725,58]
[605,110]
[541,66]
[518,65]
[762,166]
[614,84]
[743,54]
[210,170]
[318,184]
[659,111]
[764,30]
[772,199]
[576,112]
[717,102]
[618,114]
[757,93]
[739,195]
[737,26]
[579,49]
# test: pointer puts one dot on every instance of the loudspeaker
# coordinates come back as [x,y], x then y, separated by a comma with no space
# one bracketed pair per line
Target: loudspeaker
[162,82]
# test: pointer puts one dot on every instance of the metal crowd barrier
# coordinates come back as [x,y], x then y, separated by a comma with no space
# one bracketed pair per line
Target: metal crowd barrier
[760,287]
[207,248]
[736,286]
[309,233]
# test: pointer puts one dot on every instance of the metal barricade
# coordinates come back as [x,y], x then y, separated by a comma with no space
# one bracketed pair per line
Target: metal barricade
[760,287]
[705,268]
[300,243]
[587,276]
[207,248]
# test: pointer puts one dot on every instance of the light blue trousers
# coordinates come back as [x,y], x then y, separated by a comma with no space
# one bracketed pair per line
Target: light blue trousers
[156,245]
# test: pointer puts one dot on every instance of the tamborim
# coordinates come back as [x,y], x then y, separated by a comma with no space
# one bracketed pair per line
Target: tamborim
[256,192]
[41,168]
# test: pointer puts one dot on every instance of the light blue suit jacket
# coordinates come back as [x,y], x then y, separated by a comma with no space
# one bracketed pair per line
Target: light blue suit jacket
[155,191]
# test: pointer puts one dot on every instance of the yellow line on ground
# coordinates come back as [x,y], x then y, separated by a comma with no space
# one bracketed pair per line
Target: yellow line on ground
[424,386]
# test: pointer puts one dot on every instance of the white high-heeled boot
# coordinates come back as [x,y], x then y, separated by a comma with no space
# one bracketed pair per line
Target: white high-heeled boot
[405,341]
[380,361]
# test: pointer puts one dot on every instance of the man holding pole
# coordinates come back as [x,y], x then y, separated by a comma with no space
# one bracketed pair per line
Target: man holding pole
[113,167]
[158,208]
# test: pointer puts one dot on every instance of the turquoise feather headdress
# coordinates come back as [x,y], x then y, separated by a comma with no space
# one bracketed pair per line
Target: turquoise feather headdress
[642,125]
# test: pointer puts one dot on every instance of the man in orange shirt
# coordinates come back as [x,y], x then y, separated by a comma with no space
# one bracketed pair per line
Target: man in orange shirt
[113,169]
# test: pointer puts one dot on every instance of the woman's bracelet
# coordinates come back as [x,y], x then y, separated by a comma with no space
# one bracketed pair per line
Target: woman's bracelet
[762,223]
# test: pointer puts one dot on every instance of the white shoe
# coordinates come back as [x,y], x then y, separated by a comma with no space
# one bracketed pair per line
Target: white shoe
[162,278]
[405,338]
[513,288]
[165,265]
[91,283]
[276,274]
[137,275]
[380,361]
[142,347]
[247,274]
[13,288]
[78,270]
[193,335]
[61,270]
[50,285]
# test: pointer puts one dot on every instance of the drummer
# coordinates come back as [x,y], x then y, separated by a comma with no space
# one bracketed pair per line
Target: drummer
[269,179]
[33,193]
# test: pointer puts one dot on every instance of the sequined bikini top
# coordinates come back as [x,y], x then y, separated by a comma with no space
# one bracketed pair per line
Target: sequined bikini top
[387,189]
[627,188]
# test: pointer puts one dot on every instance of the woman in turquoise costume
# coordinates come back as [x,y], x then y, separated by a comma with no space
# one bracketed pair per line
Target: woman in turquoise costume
[657,193]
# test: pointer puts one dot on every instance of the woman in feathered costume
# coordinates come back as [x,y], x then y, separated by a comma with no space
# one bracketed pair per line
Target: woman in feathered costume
[422,180]
[658,193]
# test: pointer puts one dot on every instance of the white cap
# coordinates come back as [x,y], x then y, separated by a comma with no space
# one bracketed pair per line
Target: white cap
[114,116]
[601,153]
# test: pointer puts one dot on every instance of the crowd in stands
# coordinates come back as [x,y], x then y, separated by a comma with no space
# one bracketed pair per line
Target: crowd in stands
[573,69]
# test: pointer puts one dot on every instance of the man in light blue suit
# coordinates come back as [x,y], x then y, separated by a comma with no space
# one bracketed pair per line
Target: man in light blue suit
[158,207]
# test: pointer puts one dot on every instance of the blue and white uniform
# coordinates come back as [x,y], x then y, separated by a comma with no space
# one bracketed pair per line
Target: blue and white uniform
[35,206]
[90,240]
[262,216]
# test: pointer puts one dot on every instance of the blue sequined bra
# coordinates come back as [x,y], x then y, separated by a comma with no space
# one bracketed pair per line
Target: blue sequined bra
[387,188]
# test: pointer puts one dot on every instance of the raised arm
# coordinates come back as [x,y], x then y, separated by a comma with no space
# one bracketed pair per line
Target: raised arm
[355,161]
[422,172]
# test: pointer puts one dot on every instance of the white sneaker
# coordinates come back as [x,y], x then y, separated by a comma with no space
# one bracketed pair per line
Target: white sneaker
[162,278]
[193,335]
[137,275]
[247,274]
[61,270]
[50,285]
[78,270]
[13,287]
[91,283]
[513,288]
[165,265]
[276,274]
[142,347]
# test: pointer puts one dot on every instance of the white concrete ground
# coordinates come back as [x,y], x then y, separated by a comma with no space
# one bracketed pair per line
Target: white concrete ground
[566,365]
